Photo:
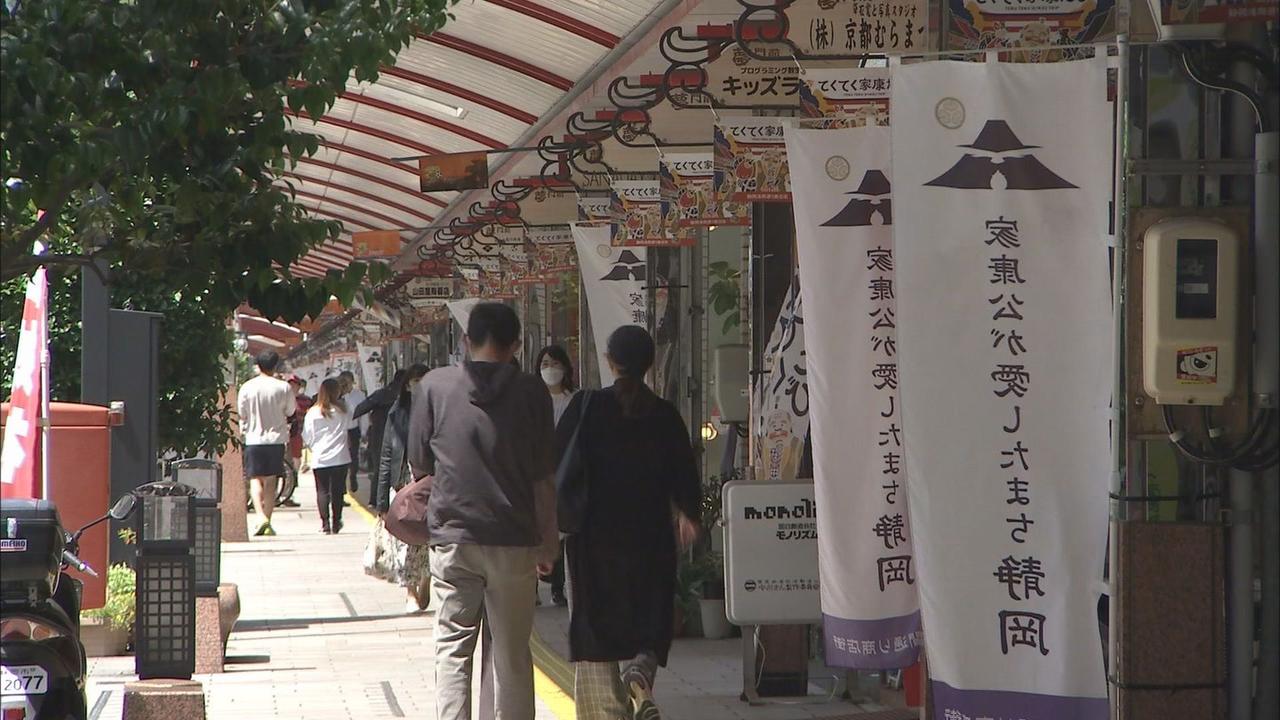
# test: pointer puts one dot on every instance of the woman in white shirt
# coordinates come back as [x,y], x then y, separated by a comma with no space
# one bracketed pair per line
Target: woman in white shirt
[324,432]
[557,372]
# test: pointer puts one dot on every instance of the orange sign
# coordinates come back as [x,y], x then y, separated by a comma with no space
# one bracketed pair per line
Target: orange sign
[455,171]
[375,244]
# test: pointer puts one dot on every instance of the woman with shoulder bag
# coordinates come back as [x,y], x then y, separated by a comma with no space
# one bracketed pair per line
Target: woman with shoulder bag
[395,560]
[637,464]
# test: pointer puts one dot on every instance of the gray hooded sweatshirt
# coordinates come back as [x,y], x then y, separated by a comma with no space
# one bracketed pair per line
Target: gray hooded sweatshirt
[485,432]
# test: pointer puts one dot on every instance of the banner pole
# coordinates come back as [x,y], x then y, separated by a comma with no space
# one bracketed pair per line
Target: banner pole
[1120,225]
[45,418]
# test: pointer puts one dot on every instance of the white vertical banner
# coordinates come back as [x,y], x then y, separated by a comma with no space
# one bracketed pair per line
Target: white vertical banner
[781,396]
[614,281]
[370,366]
[1001,175]
[844,234]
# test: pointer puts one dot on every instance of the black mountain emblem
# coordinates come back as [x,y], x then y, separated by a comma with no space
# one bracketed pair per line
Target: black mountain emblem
[1021,171]
[628,267]
[868,201]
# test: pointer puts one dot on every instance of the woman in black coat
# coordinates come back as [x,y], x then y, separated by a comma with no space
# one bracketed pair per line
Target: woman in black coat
[643,501]
[404,565]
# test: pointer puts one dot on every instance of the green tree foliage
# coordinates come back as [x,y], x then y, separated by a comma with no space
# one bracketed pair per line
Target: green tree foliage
[157,131]
[154,134]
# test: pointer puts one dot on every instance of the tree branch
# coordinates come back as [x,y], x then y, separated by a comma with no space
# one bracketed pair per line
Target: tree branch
[22,265]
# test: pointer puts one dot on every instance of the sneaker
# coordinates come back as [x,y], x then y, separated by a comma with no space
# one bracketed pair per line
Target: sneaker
[262,530]
[642,705]
[337,526]
[267,530]
[324,530]
[291,503]
[559,599]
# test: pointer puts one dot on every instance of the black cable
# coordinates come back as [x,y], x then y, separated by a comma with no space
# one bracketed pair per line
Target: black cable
[1257,433]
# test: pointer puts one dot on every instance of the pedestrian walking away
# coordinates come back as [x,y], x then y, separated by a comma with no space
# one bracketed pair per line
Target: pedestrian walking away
[265,404]
[386,556]
[484,431]
[375,409]
[302,404]
[557,373]
[324,432]
[352,396]
[638,464]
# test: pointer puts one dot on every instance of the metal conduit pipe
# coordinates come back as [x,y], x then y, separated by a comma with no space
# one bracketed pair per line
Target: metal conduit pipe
[1266,375]
[1239,143]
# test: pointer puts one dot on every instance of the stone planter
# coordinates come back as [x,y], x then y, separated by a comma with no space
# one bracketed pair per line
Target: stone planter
[101,640]
[715,623]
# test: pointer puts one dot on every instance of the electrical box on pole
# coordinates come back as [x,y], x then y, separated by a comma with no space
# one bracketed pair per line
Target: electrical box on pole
[1190,330]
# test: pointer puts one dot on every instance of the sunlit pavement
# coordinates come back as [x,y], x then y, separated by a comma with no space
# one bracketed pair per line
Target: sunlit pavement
[317,638]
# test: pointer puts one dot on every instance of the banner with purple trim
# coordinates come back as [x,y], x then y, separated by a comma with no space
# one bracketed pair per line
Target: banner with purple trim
[844,236]
[1002,176]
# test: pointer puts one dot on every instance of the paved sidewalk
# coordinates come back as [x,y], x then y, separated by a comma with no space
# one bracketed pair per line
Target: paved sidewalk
[317,639]
[703,681]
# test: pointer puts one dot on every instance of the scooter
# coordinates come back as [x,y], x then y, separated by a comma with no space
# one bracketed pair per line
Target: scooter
[42,661]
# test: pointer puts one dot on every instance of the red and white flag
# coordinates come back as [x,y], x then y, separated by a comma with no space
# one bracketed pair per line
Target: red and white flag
[19,469]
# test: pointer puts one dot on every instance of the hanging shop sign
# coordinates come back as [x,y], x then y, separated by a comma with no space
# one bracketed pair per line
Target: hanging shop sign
[544,206]
[558,235]
[1192,12]
[434,266]
[844,237]
[1035,26]
[613,279]
[844,28]
[844,98]
[375,244]
[345,361]
[454,171]
[637,213]
[736,79]
[781,417]
[689,199]
[551,261]
[750,164]
[371,364]
[428,291]
[595,208]
[497,286]
[1003,390]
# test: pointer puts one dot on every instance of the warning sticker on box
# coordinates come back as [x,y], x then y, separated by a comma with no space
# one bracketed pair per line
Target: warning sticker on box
[1198,366]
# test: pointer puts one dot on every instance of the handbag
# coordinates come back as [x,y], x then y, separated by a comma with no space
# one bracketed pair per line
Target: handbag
[406,518]
[571,479]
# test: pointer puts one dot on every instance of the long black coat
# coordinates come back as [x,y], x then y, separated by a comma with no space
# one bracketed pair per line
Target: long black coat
[623,564]
[391,458]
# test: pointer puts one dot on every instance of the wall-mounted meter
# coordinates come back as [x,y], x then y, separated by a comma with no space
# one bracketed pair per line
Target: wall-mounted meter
[1190,286]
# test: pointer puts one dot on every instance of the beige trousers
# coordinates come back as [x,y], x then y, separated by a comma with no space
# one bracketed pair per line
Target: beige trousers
[471,583]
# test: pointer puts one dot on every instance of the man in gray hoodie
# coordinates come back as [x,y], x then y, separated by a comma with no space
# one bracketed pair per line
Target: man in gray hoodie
[484,431]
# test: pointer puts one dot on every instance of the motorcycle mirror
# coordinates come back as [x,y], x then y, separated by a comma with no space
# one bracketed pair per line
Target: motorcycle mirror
[123,507]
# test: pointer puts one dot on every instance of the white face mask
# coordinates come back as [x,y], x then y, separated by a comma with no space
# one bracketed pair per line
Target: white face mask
[552,376]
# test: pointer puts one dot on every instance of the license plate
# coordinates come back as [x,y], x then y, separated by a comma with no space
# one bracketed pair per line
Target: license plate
[23,680]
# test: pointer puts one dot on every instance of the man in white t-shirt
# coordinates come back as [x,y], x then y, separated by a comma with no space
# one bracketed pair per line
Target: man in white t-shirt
[353,396]
[265,403]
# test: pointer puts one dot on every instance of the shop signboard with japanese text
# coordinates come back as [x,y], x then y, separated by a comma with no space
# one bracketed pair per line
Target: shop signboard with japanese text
[826,28]
[688,195]
[844,215]
[848,97]
[637,213]
[1001,187]
[781,396]
[771,553]
[428,291]
[1191,12]
[750,163]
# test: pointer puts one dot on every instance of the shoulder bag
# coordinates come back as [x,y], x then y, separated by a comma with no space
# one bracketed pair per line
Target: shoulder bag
[406,518]
[571,479]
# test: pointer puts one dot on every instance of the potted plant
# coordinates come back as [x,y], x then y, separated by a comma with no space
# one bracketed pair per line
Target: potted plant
[725,295]
[106,630]
[691,575]
[711,608]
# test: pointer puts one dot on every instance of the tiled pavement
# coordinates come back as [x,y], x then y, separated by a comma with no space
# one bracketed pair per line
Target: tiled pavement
[317,639]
